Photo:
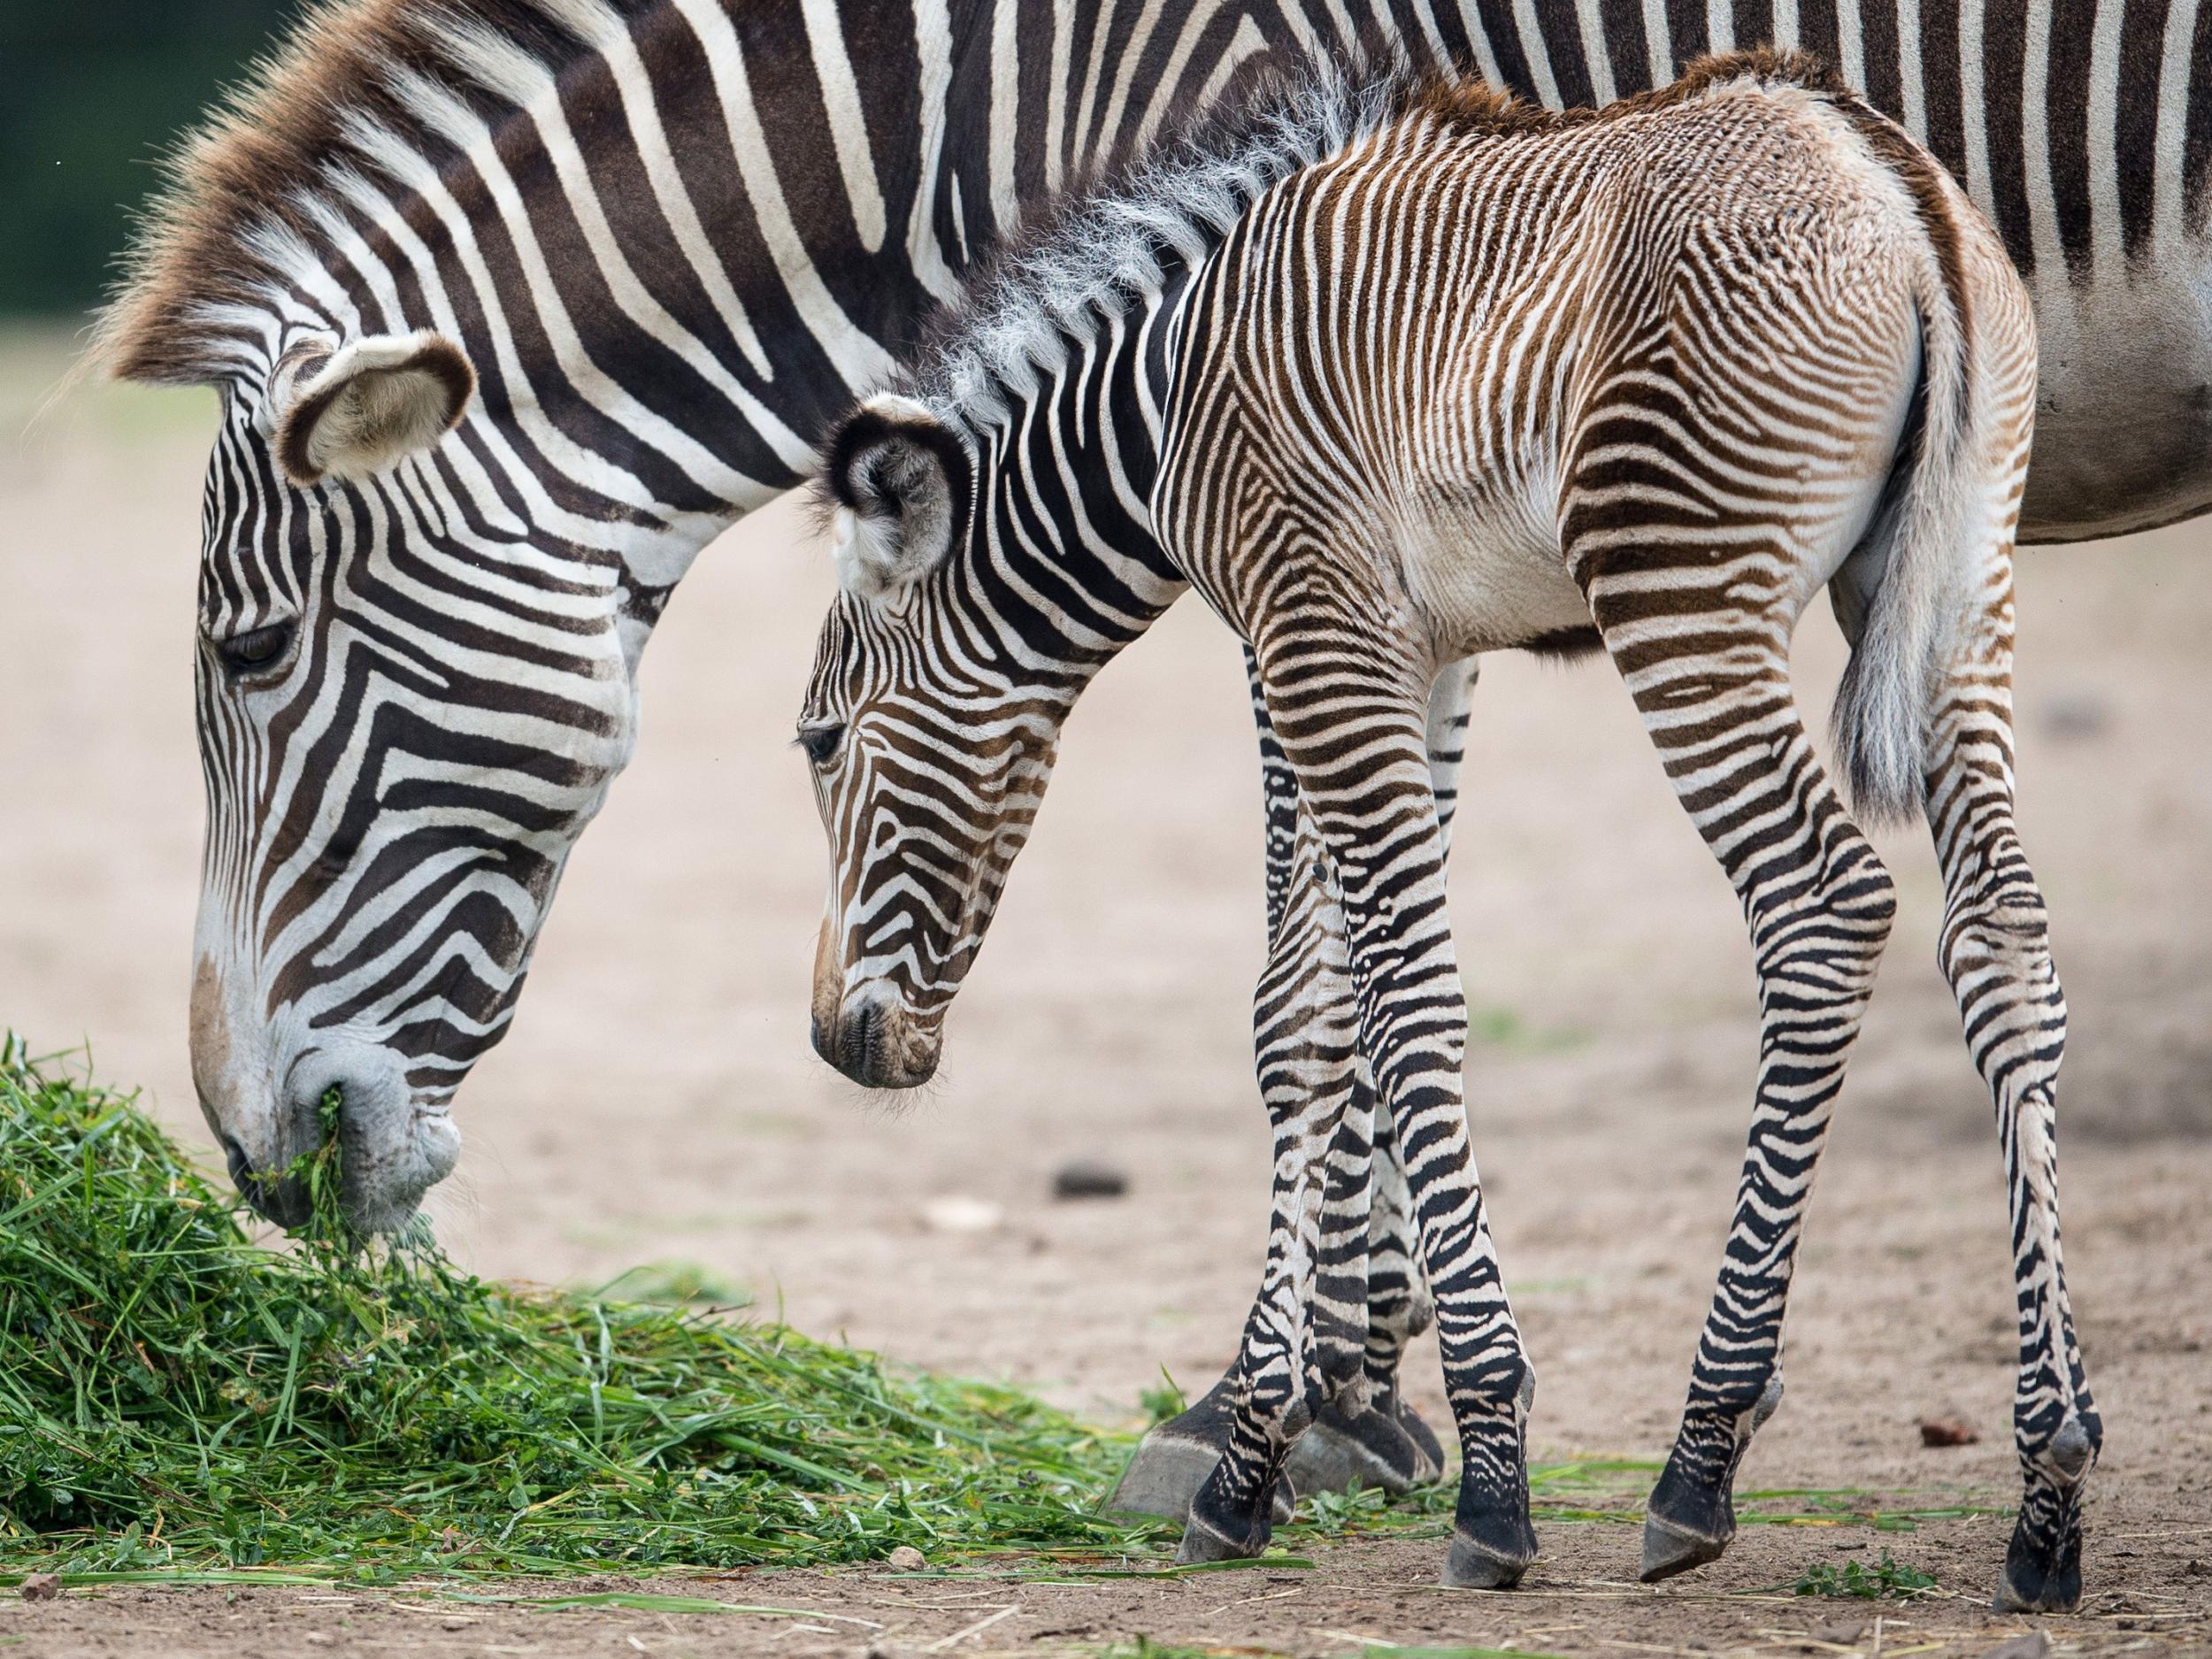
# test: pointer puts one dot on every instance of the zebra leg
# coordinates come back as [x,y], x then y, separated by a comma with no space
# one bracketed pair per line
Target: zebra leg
[1385,1442]
[1352,727]
[1995,950]
[1818,903]
[1380,1440]
[1305,1341]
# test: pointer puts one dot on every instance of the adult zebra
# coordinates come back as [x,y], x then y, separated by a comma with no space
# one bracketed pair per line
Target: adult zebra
[515,304]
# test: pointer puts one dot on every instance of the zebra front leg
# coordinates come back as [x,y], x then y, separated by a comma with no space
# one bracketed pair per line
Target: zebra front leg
[1382,1440]
[1346,706]
[1304,1342]
[1718,704]
[1996,953]
[1377,1439]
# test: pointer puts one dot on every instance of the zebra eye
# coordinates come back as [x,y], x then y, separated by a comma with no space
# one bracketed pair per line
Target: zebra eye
[256,648]
[820,742]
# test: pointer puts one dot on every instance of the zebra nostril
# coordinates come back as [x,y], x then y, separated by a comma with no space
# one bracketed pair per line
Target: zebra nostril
[241,1166]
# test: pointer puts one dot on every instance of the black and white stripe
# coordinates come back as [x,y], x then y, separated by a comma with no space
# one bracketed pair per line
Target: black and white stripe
[671,239]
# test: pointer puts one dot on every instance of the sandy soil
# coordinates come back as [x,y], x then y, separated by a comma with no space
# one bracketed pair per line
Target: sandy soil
[657,1099]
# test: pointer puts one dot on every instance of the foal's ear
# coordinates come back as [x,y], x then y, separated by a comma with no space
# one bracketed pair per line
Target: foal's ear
[370,403]
[900,479]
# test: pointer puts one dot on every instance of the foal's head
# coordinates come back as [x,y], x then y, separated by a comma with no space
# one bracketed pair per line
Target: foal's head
[932,720]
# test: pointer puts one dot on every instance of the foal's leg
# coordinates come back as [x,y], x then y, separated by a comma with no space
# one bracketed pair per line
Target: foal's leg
[1349,710]
[1380,1440]
[1996,953]
[1711,681]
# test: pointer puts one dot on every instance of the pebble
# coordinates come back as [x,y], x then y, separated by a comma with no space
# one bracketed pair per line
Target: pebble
[40,1587]
[959,1214]
[1089,1178]
[906,1558]
[2035,1645]
[1842,1633]
[1948,1431]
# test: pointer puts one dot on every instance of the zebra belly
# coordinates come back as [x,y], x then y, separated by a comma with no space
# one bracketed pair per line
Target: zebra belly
[2124,406]
[1487,575]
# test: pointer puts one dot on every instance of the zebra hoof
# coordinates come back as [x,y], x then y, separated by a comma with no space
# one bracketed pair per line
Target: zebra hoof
[1473,1563]
[1669,1549]
[1174,1461]
[1202,1543]
[2040,1576]
[1370,1448]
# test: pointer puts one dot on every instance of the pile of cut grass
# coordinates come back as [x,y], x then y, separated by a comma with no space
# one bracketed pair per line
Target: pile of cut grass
[175,1395]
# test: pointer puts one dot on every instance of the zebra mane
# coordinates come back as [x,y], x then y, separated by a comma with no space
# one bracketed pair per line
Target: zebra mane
[249,196]
[1100,247]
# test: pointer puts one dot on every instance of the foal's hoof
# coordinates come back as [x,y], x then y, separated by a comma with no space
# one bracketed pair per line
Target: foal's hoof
[1476,1563]
[2040,1579]
[1202,1543]
[1669,1549]
[1173,1460]
[1371,1448]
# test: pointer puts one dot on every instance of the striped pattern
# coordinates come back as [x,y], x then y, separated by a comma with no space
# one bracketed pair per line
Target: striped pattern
[1396,373]
[669,241]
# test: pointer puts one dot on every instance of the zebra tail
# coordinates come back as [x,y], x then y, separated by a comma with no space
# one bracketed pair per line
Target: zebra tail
[1900,584]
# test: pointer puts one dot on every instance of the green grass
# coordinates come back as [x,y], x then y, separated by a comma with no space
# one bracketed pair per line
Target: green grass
[177,1398]
[1886,1579]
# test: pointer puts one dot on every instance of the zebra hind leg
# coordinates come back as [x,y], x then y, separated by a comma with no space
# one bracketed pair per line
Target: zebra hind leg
[1995,951]
[1716,701]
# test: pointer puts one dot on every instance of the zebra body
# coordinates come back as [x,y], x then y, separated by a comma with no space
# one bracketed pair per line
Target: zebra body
[1395,371]
[639,254]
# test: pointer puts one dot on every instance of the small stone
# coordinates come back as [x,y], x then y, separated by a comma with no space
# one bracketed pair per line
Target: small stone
[1948,1431]
[1089,1178]
[960,1214]
[906,1558]
[41,1586]
[1840,1633]
[2035,1645]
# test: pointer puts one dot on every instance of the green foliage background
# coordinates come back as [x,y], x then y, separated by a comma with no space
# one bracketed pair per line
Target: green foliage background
[91,92]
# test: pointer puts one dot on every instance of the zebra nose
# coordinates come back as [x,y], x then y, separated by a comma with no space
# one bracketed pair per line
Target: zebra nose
[279,1199]
[876,1042]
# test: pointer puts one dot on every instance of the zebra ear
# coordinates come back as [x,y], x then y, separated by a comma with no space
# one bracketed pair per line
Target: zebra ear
[899,478]
[369,404]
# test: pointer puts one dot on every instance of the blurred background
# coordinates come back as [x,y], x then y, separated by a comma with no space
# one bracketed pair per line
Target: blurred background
[89,97]
[657,1101]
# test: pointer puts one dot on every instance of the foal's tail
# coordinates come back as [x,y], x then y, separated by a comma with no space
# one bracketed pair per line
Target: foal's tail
[1900,593]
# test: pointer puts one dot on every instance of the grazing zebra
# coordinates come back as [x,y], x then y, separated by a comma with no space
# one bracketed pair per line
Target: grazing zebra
[1391,372]
[513,305]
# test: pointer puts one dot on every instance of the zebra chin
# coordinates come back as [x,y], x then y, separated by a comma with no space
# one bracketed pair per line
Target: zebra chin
[875,1039]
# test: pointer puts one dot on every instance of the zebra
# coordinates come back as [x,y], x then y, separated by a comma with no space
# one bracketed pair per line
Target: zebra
[514,304]
[1390,371]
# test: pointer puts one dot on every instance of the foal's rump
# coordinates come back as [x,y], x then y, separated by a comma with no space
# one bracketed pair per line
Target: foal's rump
[1826,383]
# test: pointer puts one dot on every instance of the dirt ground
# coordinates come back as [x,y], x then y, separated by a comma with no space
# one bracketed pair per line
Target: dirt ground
[657,1100]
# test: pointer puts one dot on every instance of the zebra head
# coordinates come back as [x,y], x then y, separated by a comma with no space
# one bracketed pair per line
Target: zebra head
[409,702]
[931,722]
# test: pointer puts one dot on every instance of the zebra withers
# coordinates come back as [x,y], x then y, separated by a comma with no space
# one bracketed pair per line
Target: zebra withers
[1391,373]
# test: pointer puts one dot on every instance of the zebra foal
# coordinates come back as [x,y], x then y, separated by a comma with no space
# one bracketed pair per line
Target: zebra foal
[1391,373]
